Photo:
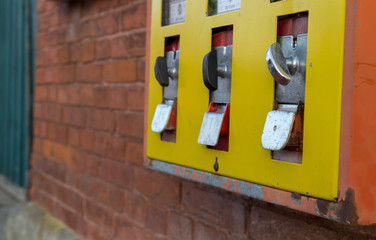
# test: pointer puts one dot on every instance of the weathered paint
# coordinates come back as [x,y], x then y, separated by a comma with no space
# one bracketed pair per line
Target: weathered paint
[342,211]
[363,156]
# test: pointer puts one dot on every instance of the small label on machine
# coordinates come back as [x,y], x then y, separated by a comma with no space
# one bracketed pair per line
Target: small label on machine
[228,5]
[177,11]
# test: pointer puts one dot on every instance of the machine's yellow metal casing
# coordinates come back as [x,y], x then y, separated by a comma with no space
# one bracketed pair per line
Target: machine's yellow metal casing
[252,94]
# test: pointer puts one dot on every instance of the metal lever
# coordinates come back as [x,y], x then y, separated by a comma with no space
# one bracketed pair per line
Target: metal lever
[281,67]
[209,70]
[162,72]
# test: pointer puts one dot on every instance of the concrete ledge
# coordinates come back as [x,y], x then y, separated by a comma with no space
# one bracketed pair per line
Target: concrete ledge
[27,221]
[13,191]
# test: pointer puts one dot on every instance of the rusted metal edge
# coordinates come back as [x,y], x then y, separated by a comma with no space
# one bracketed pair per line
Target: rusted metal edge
[343,211]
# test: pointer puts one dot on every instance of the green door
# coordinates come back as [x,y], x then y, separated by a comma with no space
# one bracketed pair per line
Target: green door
[17,18]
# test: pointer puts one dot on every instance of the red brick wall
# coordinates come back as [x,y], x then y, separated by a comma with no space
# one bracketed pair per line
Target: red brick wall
[87,160]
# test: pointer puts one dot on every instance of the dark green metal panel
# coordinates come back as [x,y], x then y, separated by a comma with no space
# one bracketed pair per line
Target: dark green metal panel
[17,28]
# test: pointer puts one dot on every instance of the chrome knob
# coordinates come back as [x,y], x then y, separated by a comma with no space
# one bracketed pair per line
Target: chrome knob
[281,67]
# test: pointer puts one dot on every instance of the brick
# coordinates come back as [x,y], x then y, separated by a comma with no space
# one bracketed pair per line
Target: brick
[40,128]
[266,224]
[134,153]
[135,99]
[40,76]
[35,159]
[35,179]
[214,207]
[119,3]
[56,170]
[46,201]
[94,188]
[130,124]
[41,6]
[63,54]
[47,185]
[41,40]
[57,151]
[117,99]
[74,116]
[160,237]
[135,206]
[69,217]
[86,162]
[94,96]
[115,197]
[104,5]
[38,110]
[141,70]
[126,229]
[100,214]
[104,25]
[64,74]
[87,95]
[89,73]
[121,71]
[56,37]
[57,132]
[71,177]
[134,17]
[73,137]
[43,23]
[51,56]
[103,120]
[83,29]
[64,13]
[95,232]
[41,93]
[101,93]
[204,232]
[40,59]
[103,192]
[137,44]
[53,19]
[155,218]
[103,49]
[117,173]
[94,142]
[179,227]
[69,94]
[52,91]
[159,187]
[120,46]
[116,148]
[37,145]
[69,197]
[88,51]
[52,112]
[88,8]
[74,52]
